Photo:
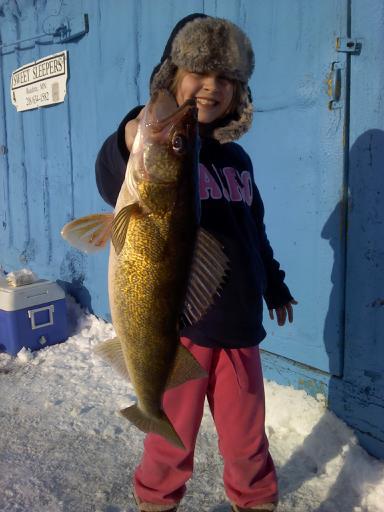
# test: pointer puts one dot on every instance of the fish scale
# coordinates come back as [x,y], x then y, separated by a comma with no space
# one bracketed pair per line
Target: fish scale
[144,308]
[150,275]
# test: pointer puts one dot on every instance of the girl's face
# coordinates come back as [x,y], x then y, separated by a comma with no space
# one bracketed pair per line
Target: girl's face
[213,94]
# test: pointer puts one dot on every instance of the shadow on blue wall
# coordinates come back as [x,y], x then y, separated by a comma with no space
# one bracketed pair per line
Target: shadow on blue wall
[72,276]
[80,293]
[366,188]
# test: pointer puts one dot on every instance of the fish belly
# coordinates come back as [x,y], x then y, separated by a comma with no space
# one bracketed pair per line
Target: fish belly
[147,282]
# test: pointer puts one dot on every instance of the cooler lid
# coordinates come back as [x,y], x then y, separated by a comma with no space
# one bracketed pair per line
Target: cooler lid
[20,297]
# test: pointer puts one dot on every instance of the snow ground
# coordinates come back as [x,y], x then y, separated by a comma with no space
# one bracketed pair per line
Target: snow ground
[65,448]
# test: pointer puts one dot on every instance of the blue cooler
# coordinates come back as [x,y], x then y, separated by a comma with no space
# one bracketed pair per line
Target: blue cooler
[32,316]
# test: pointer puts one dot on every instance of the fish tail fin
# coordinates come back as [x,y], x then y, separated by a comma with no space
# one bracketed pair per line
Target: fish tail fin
[161,426]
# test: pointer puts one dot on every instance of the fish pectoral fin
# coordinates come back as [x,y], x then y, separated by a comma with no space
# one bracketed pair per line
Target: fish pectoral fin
[111,351]
[185,368]
[120,226]
[208,271]
[90,233]
[161,426]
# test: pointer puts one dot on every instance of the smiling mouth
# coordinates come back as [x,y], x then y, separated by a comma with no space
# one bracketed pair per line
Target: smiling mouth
[206,102]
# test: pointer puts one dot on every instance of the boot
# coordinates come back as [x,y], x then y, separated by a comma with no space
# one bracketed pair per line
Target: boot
[168,510]
[149,507]
[267,507]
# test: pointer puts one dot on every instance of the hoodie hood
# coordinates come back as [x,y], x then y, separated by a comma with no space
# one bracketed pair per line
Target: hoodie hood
[204,44]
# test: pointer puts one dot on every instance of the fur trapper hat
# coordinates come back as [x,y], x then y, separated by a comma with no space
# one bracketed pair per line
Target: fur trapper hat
[204,44]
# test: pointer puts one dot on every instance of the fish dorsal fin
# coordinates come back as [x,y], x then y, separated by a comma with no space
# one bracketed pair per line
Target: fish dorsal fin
[90,233]
[120,226]
[112,352]
[208,271]
[185,368]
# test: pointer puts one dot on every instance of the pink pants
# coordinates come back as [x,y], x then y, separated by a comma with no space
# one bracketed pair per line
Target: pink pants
[235,392]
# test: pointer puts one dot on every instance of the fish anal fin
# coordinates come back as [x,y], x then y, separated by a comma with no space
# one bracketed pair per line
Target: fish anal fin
[209,268]
[161,426]
[112,352]
[120,226]
[90,233]
[185,368]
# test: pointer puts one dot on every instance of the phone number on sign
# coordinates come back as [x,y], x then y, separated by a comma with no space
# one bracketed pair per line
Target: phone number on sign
[37,98]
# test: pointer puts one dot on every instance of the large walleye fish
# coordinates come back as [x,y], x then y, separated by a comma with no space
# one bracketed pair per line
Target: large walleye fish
[163,269]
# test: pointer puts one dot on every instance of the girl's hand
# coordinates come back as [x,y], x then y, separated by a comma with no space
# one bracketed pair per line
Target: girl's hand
[131,130]
[282,312]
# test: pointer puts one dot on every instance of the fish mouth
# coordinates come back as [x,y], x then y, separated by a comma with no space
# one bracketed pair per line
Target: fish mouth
[188,108]
[162,120]
[162,102]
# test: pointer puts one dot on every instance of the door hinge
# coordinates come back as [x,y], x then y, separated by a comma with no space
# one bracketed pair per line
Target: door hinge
[346,45]
[56,30]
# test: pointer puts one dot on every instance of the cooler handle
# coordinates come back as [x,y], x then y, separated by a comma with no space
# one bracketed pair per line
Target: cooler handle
[32,312]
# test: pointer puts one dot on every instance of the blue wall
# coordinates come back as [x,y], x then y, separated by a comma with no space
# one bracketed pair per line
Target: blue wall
[318,168]
[357,394]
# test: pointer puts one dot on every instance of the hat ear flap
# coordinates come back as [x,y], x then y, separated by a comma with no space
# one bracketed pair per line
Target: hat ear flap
[162,78]
[241,124]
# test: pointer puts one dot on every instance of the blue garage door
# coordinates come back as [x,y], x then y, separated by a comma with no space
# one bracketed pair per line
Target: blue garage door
[297,146]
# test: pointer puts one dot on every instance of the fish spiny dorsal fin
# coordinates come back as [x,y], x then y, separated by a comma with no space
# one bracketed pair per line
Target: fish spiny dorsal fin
[120,226]
[90,233]
[185,368]
[208,271]
[112,352]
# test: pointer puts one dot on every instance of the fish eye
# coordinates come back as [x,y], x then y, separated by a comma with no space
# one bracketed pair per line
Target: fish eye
[179,143]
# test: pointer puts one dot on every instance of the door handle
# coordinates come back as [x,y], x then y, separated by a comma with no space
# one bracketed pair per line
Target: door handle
[334,85]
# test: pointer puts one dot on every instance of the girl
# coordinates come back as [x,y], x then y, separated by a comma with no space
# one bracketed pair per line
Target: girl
[211,59]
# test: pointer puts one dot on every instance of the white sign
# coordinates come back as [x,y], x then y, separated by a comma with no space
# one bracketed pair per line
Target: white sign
[41,83]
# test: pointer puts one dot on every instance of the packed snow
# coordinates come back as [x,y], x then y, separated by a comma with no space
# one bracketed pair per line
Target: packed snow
[65,448]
